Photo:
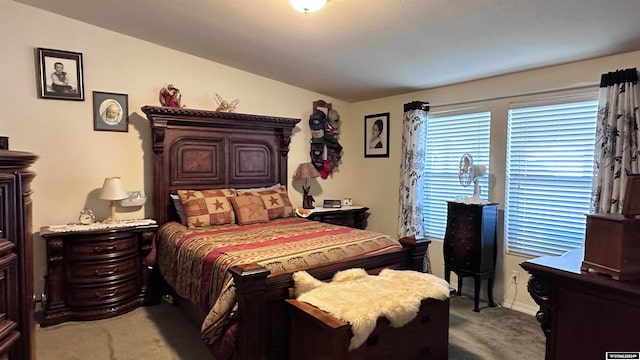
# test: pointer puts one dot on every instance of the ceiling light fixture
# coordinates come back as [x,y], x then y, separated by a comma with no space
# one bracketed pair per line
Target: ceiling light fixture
[308,6]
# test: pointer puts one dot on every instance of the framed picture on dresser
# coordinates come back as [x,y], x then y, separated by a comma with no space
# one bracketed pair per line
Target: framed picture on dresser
[59,74]
[376,135]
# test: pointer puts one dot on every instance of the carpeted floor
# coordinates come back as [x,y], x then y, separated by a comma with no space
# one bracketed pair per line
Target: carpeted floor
[162,332]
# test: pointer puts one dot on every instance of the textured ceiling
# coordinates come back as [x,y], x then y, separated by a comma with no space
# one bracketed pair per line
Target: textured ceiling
[362,49]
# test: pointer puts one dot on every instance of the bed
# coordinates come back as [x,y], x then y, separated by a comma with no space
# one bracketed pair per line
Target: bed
[203,150]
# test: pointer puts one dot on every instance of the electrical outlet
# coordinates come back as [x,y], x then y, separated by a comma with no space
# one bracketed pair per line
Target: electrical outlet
[515,276]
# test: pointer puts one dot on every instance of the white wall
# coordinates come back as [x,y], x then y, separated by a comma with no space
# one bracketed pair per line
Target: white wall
[379,177]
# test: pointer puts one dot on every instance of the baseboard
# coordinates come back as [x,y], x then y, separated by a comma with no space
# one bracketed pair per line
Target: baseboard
[519,306]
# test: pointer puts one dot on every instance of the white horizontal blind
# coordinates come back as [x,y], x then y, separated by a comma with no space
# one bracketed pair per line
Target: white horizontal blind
[449,136]
[549,172]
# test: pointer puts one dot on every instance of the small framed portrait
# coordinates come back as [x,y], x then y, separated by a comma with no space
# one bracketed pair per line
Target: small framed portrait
[376,135]
[59,75]
[110,112]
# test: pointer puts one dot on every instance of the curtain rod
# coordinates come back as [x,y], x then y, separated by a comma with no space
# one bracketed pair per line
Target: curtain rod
[539,92]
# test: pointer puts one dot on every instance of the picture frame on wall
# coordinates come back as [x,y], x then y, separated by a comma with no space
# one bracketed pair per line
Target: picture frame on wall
[60,74]
[110,111]
[376,135]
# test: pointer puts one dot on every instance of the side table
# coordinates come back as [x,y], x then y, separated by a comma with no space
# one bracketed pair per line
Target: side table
[352,216]
[96,273]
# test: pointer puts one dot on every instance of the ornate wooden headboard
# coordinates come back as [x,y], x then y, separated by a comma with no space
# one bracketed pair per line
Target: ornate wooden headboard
[200,149]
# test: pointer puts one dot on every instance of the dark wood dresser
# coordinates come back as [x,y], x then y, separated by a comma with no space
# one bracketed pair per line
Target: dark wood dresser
[96,274]
[470,245]
[352,216]
[17,324]
[583,314]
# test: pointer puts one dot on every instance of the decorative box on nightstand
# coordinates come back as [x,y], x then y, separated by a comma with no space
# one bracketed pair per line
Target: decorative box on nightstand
[96,273]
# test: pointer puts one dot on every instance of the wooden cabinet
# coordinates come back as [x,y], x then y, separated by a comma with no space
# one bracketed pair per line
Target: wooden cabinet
[470,245]
[17,324]
[316,335]
[612,245]
[352,216]
[583,314]
[96,274]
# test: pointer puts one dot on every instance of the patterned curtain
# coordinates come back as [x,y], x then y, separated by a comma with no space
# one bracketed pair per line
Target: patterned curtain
[617,153]
[414,130]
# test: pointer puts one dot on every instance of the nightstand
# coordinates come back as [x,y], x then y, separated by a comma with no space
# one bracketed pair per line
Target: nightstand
[352,216]
[95,273]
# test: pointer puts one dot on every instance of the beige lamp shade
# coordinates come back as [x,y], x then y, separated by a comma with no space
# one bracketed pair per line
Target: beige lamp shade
[306,171]
[113,189]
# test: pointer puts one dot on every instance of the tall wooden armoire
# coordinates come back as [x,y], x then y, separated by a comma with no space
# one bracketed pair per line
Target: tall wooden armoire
[17,324]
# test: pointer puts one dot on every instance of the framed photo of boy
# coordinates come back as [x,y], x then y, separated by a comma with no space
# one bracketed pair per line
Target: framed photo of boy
[110,112]
[59,75]
[376,135]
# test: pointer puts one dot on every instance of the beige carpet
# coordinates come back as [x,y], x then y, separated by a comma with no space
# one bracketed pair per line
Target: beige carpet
[162,332]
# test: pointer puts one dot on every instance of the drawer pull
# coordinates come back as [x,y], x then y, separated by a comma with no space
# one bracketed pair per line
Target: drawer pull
[100,272]
[103,295]
[101,249]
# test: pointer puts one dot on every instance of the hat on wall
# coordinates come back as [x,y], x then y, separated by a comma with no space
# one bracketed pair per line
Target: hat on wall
[317,120]
[334,118]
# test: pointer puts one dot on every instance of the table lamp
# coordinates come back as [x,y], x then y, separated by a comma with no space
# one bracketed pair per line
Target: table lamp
[113,189]
[306,171]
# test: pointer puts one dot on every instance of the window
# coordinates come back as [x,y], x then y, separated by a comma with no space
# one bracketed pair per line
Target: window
[449,136]
[548,180]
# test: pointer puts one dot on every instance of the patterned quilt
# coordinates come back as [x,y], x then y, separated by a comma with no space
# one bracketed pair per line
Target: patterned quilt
[195,262]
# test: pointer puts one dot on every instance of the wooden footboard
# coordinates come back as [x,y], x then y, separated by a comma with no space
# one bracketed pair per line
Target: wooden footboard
[262,319]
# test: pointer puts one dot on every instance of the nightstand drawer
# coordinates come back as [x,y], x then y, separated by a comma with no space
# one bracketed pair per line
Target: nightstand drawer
[99,295]
[90,273]
[339,220]
[351,216]
[118,245]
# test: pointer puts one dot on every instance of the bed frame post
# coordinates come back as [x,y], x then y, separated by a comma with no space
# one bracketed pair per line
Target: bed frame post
[250,281]
[158,127]
[418,250]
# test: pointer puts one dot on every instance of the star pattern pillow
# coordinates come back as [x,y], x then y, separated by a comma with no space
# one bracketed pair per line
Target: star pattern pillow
[276,201]
[208,207]
[249,209]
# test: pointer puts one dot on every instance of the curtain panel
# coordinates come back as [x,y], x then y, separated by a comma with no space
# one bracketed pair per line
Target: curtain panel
[617,153]
[410,221]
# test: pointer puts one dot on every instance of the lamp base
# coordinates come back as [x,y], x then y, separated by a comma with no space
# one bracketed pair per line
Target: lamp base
[112,219]
[307,200]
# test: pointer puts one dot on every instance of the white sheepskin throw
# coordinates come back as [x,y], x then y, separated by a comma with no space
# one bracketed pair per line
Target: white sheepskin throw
[360,299]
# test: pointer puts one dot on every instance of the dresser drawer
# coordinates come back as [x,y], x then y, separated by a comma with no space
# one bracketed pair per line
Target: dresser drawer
[108,248]
[99,295]
[93,272]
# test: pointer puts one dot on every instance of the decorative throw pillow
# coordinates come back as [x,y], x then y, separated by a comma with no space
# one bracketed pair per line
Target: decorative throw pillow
[276,202]
[208,207]
[249,209]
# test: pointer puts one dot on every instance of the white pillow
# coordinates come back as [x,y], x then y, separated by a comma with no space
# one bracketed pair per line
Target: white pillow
[182,214]
[272,187]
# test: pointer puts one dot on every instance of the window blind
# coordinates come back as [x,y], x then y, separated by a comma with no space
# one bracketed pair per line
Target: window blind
[549,173]
[449,136]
